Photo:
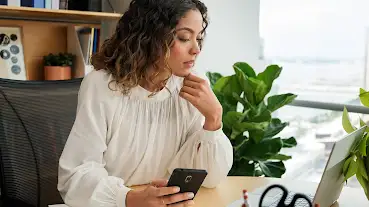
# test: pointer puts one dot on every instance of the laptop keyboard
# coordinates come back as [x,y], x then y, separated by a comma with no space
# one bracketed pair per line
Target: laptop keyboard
[299,202]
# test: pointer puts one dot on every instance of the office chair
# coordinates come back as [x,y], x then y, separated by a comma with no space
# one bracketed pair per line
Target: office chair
[35,120]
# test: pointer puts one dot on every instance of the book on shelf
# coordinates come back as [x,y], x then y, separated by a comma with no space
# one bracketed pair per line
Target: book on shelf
[89,39]
[46,4]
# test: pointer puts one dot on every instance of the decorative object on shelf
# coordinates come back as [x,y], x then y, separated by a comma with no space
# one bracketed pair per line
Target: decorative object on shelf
[251,130]
[357,163]
[58,66]
[11,54]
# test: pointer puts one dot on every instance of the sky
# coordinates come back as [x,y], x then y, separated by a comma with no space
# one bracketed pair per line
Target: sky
[312,28]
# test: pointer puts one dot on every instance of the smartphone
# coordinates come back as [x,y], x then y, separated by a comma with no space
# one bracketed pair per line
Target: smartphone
[189,180]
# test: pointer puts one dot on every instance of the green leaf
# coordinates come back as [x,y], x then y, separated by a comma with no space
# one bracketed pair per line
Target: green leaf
[363,123]
[281,157]
[261,151]
[347,163]
[224,89]
[213,78]
[361,168]
[244,102]
[364,97]
[221,83]
[242,79]
[268,76]
[289,143]
[260,90]
[228,85]
[346,122]
[350,168]
[242,168]
[231,118]
[362,145]
[259,114]
[228,103]
[271,73]
[363,182]
[245,68]
[366,163]
[275,127]
[256,135]
[239,128]
[250,86]
[277,101]
[272,169]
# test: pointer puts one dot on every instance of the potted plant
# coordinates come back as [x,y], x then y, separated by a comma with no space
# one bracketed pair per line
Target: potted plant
[357,163]
[58,66]
[251,129]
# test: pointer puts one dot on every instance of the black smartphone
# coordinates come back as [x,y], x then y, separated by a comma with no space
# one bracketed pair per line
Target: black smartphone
[189,180]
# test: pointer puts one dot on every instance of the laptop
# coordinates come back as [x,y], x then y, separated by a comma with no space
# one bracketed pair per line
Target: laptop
[331,183]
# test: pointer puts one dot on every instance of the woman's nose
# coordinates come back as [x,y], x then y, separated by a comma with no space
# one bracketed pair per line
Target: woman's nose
[195,49]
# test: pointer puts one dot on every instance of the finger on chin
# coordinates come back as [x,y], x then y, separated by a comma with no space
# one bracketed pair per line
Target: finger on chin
[193,77]
[190,83]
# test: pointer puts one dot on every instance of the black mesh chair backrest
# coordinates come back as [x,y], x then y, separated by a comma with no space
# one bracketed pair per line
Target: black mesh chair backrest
[35,120]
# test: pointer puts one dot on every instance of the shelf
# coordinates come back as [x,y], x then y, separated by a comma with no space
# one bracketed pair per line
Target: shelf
[54,15]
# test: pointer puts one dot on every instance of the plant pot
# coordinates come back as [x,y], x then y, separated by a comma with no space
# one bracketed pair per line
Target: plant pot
[57,72]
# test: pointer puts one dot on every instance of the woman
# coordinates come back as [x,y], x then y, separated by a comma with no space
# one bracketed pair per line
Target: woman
[143,112]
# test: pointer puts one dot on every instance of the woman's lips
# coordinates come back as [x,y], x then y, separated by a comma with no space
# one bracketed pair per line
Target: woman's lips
[189,64]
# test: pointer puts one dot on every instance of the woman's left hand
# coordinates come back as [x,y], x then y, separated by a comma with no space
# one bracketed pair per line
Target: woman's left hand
[198,92]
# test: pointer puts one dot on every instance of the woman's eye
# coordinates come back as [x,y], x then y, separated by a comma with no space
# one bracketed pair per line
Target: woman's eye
[183,39]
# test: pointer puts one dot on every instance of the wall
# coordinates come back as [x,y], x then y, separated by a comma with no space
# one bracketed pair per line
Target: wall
[233,34]
[119,6]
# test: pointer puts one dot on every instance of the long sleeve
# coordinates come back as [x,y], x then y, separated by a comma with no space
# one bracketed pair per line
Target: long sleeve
[83,180]
[215,153]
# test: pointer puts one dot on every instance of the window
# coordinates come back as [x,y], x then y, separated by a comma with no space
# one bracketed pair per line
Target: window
[322,47]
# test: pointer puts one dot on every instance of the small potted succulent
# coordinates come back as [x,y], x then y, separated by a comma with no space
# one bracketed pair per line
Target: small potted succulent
[58,66]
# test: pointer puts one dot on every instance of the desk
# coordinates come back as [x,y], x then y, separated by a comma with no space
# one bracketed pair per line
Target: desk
[230,190]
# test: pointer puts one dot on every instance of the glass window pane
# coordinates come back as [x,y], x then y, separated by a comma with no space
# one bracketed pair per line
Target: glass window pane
[320,44]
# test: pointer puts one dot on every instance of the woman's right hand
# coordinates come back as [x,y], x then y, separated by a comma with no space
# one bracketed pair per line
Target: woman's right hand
[159,195]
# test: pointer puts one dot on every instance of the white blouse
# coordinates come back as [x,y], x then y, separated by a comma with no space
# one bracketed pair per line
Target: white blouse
[122,140]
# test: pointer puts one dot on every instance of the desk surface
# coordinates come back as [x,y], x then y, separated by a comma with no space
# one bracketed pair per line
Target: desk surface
[231,190]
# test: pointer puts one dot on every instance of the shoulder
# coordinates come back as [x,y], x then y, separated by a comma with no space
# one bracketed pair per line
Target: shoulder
[96,85]
[95,78]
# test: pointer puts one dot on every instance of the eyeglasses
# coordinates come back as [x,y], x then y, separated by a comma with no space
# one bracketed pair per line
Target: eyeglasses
[283,198]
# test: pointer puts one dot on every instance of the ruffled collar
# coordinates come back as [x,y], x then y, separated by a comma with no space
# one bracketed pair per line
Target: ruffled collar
[172,86]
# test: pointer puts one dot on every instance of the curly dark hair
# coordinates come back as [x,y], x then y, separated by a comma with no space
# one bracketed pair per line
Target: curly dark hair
[143,35]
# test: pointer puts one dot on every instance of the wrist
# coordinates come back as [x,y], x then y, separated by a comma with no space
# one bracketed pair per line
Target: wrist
[213,123]
[131,198]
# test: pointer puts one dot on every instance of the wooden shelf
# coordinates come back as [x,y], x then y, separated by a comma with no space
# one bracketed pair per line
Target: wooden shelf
[54,15]
[45,31]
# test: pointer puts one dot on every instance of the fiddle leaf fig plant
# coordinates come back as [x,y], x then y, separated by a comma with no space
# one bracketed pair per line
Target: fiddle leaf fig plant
[357,163]
[251,128]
